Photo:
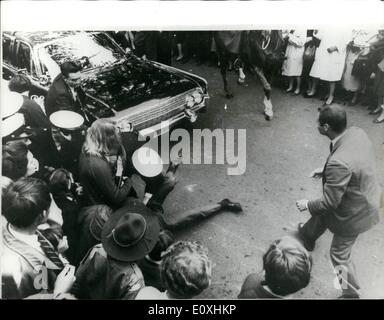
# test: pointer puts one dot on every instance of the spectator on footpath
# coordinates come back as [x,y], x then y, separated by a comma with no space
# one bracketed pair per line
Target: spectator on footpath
[103,159]
[67,195]
[293,63]
[150,265]
[329,61]
[109,270]
[18,161]
[90,223]
[287,269]
[185,270]
[30,265]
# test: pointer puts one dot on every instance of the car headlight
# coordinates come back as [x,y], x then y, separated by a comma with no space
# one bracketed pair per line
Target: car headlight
[125,125]
[198,97]
[190,101]
[195,98]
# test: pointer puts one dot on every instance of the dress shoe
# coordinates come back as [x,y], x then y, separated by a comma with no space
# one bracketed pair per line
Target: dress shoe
[378,121]
[376,111]
[289,90]
[307,95]
[308,244]
[227,204]
[328,104]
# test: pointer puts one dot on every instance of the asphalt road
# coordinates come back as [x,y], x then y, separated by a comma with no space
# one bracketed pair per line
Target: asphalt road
[280,155]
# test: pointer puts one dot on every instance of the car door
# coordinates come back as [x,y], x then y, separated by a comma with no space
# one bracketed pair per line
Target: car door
[8,56]
[25,63]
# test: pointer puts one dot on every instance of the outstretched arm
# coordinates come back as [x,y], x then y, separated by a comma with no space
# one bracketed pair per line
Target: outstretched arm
[338,176]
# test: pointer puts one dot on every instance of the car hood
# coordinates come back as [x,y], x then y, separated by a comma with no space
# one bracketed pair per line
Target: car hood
[133,81]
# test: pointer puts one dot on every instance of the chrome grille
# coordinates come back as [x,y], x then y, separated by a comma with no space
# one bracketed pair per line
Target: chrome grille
[159,113]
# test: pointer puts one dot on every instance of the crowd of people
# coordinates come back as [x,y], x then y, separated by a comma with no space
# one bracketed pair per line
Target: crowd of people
[343,64]
[81,220]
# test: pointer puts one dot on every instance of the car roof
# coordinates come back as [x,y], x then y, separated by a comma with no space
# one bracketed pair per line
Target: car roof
[40,37]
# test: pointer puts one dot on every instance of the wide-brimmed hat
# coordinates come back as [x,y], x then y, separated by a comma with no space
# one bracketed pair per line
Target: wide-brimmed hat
[131,232]
[13,128]
[147,162]
[66,120]
[11,102]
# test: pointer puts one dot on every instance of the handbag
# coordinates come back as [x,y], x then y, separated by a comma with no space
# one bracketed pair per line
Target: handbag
[309,54]
[362,67]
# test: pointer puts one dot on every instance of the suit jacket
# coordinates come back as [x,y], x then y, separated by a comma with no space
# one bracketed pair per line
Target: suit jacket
[21,265]
[33,114]
[60,97]
[351,190]
[100,277]
[254,287]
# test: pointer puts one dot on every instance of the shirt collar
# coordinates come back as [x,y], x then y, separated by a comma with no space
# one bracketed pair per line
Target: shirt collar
[337,138]
[30,239]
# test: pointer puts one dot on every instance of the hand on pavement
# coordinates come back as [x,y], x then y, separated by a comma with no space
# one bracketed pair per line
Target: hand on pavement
[302,205]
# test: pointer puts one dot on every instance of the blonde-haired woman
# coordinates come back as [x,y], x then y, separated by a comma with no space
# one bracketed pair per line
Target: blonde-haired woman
[102,159]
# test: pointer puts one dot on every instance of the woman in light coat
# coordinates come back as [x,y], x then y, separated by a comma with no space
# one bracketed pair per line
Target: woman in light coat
[329,60]
[293,63]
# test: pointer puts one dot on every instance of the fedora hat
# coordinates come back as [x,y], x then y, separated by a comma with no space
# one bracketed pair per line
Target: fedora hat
[131,232]
[147,162]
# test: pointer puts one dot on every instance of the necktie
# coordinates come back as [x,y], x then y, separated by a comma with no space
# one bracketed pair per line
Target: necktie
[331,147]
[49,251]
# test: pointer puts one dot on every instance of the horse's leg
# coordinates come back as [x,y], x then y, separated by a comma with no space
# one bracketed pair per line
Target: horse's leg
[240,69]
[268,107]
[223,71]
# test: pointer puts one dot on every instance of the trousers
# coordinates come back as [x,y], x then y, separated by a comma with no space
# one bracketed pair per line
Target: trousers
[340,253]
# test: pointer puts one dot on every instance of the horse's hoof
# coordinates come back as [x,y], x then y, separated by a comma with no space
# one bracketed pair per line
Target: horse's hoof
[267,116]
[229,95]
[240,82]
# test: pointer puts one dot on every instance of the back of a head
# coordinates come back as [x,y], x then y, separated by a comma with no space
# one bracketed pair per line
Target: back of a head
[69,67]
[335,116]
[59,181]
[5,183]
[24,200]
[287,266]
[102,138]
[185,269]
[164,241]
[14,159]
[19,83]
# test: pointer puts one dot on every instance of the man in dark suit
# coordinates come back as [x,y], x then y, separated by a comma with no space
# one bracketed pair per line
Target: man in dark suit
[350,203]
[65,92]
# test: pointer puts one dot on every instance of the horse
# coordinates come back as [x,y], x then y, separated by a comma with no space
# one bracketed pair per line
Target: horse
[260,51]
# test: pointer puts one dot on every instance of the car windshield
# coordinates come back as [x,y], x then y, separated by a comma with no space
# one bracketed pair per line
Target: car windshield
[90,50]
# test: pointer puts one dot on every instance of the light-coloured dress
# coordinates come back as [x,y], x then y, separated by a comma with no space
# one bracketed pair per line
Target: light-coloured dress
[330,66]
[293,63]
